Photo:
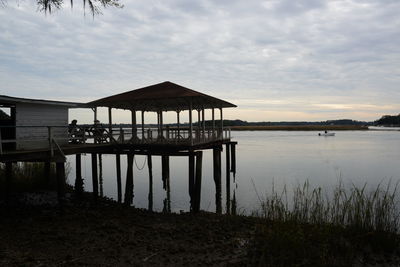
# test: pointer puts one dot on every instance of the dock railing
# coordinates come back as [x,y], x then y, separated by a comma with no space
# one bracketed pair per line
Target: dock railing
[56,137]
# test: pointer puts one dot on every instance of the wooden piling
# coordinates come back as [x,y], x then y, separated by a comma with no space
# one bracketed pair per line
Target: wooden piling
[150,196]
[217,178]
[228,179]
[197,185]
[129,181]
[191,180]
[118,166]
[101,174]
[95,182]
[233,160]
[166,181]
[60,171]
[78,177]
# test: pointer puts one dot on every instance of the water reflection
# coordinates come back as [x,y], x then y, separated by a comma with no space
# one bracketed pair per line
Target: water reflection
[282,158]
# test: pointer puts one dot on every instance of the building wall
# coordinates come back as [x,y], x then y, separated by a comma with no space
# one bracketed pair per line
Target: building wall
[40,115]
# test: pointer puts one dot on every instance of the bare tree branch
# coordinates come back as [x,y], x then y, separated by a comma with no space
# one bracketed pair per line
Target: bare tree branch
[95,6]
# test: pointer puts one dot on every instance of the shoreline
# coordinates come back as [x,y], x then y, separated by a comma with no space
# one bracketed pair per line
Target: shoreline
[301,128]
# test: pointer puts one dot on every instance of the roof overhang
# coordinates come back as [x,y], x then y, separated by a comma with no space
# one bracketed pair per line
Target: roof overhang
[166,96]
[9,100]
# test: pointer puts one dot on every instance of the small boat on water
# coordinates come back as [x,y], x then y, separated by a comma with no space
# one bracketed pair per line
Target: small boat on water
[326,134]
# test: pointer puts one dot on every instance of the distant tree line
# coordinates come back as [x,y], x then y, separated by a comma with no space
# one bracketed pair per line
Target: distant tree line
[389,120]
[208,123]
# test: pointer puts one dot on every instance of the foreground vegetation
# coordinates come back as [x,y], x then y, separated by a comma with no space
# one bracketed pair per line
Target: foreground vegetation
[303,227]
[311,228]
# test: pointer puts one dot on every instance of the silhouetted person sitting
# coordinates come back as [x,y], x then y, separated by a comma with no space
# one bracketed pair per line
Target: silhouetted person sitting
[74,132]
[98,132]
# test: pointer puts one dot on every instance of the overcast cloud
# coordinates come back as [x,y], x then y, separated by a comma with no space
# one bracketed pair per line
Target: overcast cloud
[277,60]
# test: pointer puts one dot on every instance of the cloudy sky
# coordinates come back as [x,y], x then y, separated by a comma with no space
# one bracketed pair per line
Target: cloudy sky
[277,60]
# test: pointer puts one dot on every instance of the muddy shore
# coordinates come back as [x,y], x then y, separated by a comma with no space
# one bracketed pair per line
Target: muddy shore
[109,234]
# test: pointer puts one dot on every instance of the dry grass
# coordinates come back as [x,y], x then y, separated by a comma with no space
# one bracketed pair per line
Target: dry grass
[311,228]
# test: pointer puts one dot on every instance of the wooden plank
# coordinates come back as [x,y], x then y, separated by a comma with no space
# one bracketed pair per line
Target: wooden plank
[95,182]
[119,185]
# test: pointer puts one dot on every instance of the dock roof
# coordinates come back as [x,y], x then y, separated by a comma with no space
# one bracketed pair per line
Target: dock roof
[166,96]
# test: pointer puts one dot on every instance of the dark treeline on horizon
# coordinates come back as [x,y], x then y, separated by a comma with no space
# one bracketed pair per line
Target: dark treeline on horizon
[208,123]
[389,120]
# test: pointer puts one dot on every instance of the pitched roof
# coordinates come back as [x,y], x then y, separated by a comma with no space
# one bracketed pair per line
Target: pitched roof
[166,96]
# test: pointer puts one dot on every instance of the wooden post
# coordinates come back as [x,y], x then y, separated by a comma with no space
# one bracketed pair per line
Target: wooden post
[222,125]
[95,113]
[233,160]
[78,177]
[60,170]
[217,178]
[213,122]
[178,123]
[150,196]
[166,181]
[110,123]
[134,128]
[129,181]
[1,144]
[161,125]
[228,180]
[203,123]
[143,125]
[118,165]
[101,174]
[9,181]
[191,180]
[190,124]
[197,189]
[51,147]
[95,182]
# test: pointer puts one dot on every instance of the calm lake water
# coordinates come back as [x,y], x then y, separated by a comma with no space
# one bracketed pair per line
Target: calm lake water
[265,158]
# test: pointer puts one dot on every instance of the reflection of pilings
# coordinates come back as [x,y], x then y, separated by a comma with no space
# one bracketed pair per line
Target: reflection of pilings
[233,212]
[101,174]
[228,179]
[233,160]
[95,182]
[191,180]
[118,166]
[217,178]
[129,181]
[78,177]
[150,196]
[197,184]
[166,182]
